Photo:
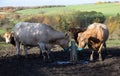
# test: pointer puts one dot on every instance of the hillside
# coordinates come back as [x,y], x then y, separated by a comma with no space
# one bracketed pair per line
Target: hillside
[108,9]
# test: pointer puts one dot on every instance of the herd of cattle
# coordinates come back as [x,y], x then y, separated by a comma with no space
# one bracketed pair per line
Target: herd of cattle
[45,37]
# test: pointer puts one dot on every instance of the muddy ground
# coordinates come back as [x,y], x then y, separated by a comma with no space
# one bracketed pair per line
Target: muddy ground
[11,65]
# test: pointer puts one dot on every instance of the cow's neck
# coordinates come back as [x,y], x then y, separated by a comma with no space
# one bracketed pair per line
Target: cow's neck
[58,35]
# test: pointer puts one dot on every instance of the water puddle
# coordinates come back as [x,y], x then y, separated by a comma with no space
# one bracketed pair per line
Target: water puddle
[69,62]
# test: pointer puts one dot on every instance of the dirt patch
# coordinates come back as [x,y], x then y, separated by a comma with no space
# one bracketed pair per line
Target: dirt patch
[34,65]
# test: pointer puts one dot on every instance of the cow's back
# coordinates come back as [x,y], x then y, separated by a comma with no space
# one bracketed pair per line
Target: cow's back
[32,33]
[98,30]
[102,32]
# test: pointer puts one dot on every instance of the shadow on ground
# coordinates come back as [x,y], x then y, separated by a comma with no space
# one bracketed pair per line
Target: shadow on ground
[34,65]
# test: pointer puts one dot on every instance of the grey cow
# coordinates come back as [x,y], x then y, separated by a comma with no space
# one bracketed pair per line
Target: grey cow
[36,34]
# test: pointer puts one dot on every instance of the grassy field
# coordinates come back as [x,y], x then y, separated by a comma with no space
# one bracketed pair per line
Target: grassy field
[2,31]
[113,43]
[108,9]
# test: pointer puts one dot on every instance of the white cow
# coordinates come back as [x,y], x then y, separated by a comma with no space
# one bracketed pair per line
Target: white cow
[36,34]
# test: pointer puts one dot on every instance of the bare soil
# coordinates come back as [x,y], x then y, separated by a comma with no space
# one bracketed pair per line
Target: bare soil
[34,65]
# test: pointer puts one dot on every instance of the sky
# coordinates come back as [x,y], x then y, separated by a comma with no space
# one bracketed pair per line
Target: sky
[4,3]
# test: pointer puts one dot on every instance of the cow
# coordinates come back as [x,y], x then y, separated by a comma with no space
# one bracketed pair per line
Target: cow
[41,35]
[95,37]
[9,37]
[74,32]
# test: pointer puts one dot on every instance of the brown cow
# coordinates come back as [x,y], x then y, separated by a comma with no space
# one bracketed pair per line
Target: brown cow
[9,37]
[95,37]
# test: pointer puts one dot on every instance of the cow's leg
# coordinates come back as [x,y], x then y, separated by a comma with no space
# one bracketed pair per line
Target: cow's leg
[47,46]
[99,52]
[18,48]
[106,52]
[25,50]
[48,54]
[91,56]
[43,50]
[104,45]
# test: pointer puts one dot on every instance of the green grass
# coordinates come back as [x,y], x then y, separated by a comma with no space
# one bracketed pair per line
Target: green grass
[113,43]
[108,9]
[3,44]
[53,10]
[2,31]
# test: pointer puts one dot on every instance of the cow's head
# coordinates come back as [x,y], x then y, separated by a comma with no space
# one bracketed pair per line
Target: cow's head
[64,42]
[7,36]
[82,40]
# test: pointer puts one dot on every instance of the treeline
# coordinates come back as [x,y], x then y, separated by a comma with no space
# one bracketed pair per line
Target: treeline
[13,9]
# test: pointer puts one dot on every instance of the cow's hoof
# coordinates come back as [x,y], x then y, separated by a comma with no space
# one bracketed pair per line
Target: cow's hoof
[100,59]
[91,59]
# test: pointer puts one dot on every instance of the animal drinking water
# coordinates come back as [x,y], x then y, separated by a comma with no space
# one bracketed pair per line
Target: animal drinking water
[95,37]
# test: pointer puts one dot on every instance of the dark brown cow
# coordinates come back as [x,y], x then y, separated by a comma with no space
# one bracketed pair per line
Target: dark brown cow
[74,32]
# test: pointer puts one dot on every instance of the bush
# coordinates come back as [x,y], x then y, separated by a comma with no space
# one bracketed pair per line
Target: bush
[113,24]
[83,19]
[66,21]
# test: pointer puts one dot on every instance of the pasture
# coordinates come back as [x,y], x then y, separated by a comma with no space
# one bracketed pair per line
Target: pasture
[108,9]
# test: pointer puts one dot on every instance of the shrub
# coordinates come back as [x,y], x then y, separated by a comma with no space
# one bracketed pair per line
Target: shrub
[83,19]
[64,22]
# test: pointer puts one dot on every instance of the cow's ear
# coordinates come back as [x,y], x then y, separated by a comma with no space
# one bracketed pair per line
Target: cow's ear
[79,35]
[12,34]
